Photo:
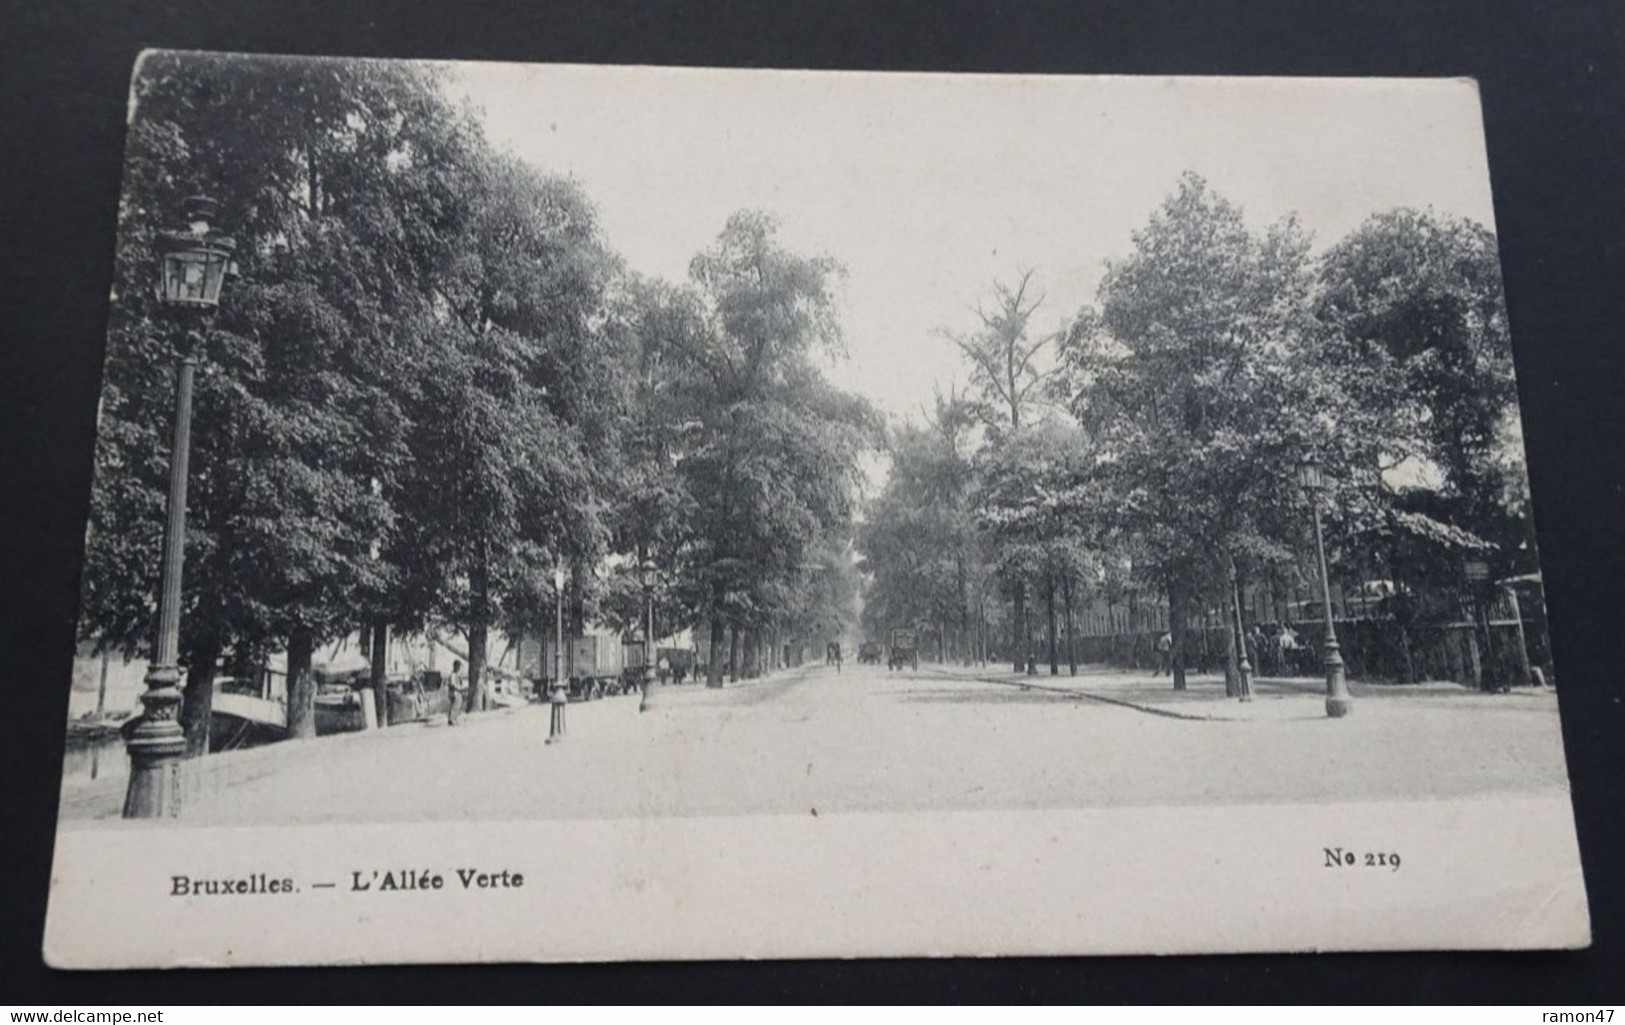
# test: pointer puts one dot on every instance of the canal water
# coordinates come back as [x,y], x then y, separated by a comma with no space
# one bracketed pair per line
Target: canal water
[114,685]
[92,763]
[105,759]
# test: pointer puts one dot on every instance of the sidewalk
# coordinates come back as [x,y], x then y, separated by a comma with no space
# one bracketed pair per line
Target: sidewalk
[1274,698]
[868,740]
[211,779]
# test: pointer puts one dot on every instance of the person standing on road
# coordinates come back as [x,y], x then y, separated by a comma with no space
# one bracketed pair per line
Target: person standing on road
[1288,648]
[558,699]
[1254,645]
[458,684]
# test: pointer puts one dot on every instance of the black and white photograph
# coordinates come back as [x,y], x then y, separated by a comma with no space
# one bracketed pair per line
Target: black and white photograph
[564,512]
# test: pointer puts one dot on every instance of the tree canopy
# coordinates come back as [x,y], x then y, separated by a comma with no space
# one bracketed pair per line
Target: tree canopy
[433,382]
[1157,455]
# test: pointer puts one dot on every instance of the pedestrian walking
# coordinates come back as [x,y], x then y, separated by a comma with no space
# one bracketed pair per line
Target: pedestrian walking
[1255,645]
[1289,648]
[558,700]
[458,693]
[1266,651]
[1165,654]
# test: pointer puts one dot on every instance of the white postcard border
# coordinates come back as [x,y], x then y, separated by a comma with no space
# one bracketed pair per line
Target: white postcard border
[1474,874]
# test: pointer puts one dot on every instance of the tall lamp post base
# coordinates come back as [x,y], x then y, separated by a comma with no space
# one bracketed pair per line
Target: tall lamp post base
[557,702]
[156,747]
[651,652]
[1338,700]
[646,697]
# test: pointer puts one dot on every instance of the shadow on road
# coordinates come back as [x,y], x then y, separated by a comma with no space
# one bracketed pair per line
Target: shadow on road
[753,692]
[1005,696]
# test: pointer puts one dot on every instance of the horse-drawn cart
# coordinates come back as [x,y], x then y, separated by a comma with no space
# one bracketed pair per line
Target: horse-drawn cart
[903,650]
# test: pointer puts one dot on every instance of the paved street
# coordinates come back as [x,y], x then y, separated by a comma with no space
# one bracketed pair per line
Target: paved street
[868,740]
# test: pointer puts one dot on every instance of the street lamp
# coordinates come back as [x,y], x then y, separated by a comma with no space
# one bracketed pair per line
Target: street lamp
[1244,665]
[647,572]
[195,263]
[1338,701]
[557,696]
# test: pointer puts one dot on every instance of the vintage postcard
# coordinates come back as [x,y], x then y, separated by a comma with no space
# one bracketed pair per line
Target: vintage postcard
[560,513]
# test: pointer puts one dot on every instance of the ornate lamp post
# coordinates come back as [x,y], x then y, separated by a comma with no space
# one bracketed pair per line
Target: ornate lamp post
[558,624]
[647,572]
[1338,701]
[1244,665]
[557,694]
[195,263]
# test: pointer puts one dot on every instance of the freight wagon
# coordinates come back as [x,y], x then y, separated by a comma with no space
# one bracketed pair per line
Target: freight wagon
[594,665]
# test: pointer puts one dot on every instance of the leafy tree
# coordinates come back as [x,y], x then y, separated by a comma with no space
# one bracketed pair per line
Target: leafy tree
[1038,501]
[1006,363]
[1196,379]
[774,453]
[516,438]
[329,176]
[654,326]
[1008,377]
[821,605]
[1414,300]
[918,540]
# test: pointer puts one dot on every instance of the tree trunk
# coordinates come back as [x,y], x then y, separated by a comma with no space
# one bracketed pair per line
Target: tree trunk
[1018,626]
[479,628]
[245,665]
[197,701]
[1232,633]
[380,686]
[733,653]
[1475,658]
[1071,639]
[478,690]
[575,606]
[1408,659]
[1027,641]
[301,685]
[966,654]
[1402,620]
[713,668]
[1177,612]
[1232,666]
[101,687]
[1049,601]
[313,205]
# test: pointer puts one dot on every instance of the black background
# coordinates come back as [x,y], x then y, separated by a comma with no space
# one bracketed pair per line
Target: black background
[1551,80]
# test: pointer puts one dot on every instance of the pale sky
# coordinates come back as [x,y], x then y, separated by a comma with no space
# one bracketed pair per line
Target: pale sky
[930,187]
